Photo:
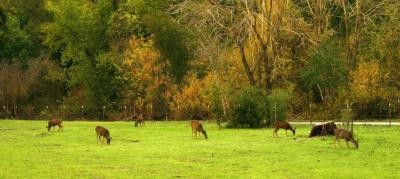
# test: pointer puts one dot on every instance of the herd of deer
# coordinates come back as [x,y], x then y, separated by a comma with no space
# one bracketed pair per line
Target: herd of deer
[339,133]
[197,128]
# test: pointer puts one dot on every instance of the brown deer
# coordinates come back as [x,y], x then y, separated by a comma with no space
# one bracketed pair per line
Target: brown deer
[103,132]
[139,120]
[197,128]
[283,125]
[55,122]
[346,135]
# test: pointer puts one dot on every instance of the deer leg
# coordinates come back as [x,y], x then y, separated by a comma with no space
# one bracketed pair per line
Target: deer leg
[347,143]
[286,132]
[275,133]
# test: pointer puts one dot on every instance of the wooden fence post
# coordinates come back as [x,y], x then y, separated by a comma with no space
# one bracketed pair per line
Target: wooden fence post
[275,113]
[126,114]
[15,112]
[348,120]
[306,111]
[310,114]
[390,115]
[104,110]
[398,108]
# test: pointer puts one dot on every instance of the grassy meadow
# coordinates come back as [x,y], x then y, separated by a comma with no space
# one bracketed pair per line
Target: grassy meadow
[167,150]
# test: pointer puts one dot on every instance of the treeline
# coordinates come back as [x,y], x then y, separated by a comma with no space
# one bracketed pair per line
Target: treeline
[225,59]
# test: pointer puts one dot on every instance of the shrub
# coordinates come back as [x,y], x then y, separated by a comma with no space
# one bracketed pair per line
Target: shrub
[279,98]
[249,110]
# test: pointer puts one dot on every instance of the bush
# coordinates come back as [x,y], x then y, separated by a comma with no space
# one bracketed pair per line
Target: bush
[249,110]
[280,98]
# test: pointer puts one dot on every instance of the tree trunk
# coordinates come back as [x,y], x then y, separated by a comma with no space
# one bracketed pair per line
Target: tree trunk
[246,66]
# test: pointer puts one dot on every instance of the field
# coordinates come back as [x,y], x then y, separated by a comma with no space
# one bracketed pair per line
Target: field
[167,150]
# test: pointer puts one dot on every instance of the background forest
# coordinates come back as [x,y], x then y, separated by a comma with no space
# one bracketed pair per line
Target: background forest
[237,60]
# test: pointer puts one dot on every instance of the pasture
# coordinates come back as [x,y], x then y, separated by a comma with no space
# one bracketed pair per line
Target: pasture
[167,150]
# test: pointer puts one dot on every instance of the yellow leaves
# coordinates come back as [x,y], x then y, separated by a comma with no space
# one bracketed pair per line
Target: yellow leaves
[191,100]
[144,70]
[142,52]
[366,80]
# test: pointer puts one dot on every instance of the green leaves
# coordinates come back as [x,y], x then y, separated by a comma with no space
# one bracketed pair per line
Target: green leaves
[173,42]
[325,70]
[250,109]
[15,43]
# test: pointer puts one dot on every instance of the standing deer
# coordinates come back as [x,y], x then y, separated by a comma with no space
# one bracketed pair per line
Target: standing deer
[283,125]
[103,132]
[197,128]
[55,122]
[139,120]
[346,135]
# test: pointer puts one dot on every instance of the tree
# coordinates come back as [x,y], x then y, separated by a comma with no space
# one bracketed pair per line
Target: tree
[325,71]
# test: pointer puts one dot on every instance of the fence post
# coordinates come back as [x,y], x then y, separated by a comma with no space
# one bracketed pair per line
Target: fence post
[64,111]
[33,113]
[306,111]
[126,114]
[47,112]
[398,108]
[15,112]
[134,110]
[310,113]
[275,113]
[151,111]
[104,110]
[5,112]
[348,120]
[352,118]
[82,112]
[390,115]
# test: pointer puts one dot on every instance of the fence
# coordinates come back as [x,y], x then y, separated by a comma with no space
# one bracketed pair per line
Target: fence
[386,113]
[126,112]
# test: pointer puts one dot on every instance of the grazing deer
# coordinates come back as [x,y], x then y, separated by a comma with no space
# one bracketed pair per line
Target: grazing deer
[103,132]
[139,120]
[55,122]
[283,125]
[197,128]
[346,135]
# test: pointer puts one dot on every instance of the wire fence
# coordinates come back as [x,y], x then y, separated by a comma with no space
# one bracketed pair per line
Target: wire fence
[387,112]
[72,113]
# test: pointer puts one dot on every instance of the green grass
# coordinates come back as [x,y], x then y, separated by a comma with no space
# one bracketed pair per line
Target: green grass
[167,150]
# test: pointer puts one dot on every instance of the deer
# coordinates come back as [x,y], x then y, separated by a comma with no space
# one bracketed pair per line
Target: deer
[283,125]
[55,122]
[198,128]
[103,132]
[139,120]
[346,135]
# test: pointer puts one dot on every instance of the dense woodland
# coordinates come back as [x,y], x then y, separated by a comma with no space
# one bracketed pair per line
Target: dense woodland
[238,60]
